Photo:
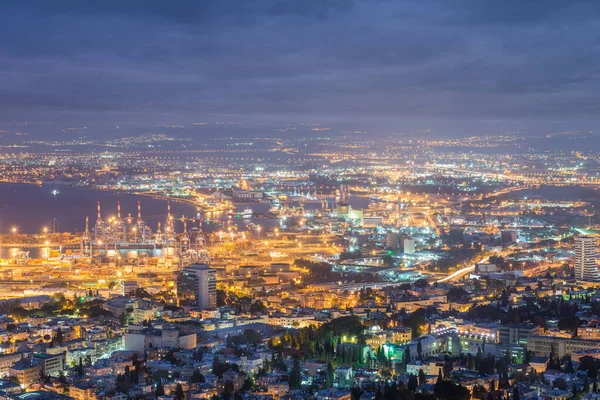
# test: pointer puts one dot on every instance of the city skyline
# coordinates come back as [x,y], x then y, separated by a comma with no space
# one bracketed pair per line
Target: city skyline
[299,200]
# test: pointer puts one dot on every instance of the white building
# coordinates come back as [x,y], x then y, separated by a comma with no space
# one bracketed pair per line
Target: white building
[198,283]
[428,367]
[409,246]
[51,364]
[140,339]
[430,346]
[585,259]
[251,365]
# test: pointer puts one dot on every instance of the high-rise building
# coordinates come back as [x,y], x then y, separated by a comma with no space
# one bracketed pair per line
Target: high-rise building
[409,246]
[393,240]
[585,259]
[508,237]
[198,283]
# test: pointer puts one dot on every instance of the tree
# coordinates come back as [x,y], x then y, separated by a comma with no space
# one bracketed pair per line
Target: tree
[381,358]
[197,377]
[179,392]
[259,307]
[560,383]
[451,391]
[387,260]
[569,369]
[355,392]
[330,375]
[123,384]
[471,362]
[588,364]
[421,284]
[586,384]
[253,336]
[142,293]
[390,391]
[516,393]
[135,375]
[19,313]
[457,294]
[59,336]
[160,390]
[247,385]
[80,370]
[228,390]
[295,378]
[98,311]
[219,368]
[221,298]
[406,356]
[422,377]
[412,383]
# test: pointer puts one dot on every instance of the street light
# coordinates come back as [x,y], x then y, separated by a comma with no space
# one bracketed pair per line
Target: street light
[14,231]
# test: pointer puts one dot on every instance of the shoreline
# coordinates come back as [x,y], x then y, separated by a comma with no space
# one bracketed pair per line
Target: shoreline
[79,202]
[39,183]
[69,212]
[133,193]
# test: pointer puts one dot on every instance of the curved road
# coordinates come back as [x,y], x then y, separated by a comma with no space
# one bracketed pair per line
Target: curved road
[462,272]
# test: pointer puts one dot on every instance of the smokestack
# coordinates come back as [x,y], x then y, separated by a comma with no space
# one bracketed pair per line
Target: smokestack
[118,210]
[99,217]
[139,211]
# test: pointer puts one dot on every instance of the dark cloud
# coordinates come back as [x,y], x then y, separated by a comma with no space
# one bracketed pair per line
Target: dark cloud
[430,60]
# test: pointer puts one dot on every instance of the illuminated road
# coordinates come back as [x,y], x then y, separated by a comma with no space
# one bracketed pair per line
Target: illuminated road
[462,272]
[434,224]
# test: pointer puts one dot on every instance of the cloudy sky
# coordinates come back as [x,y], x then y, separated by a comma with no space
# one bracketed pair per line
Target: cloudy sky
[422,63]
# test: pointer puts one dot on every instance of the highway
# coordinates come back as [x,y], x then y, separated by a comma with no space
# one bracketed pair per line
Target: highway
[461,272]
[464,271]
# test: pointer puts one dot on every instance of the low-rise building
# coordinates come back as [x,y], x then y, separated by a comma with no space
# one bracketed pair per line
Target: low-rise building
[83,391]
[515,333]
[26,371]
[51,364]
[7,361]
[544,345]
[141,339]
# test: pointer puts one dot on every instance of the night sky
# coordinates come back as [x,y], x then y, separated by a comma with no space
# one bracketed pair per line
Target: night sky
[384,64]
